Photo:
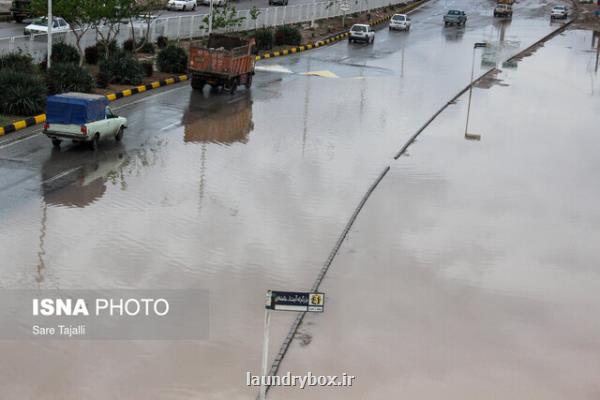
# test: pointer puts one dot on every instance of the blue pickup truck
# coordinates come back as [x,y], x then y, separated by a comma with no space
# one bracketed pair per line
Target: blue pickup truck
[81,117]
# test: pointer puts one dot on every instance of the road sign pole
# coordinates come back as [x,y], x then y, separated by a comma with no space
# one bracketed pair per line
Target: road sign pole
[49,35]
[265,356]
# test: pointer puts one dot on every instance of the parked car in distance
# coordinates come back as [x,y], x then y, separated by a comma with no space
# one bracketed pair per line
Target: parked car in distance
[181,5]
[400,22]
[40,25]
[215,2]
[559,12]
[503,10]
[455,17]
[361,33]
[81,117]
[278,2]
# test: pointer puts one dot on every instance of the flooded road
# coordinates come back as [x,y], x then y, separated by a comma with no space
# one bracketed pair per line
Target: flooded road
[472,272]
[234,194]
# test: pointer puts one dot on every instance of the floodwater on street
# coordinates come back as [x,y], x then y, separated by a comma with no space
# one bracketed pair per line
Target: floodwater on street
[472,272]
[237,195]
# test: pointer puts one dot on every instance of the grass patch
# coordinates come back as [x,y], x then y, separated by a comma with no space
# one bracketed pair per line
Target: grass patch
[7,119]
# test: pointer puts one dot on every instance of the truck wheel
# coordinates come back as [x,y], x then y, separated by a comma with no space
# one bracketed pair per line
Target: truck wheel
[56,143]
[233,87]
[119,134]
[248,81]
[94,142]
[197,83]
[194,7]
[19,19]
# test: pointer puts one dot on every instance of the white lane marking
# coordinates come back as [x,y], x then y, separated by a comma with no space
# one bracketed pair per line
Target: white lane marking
[170,126]
[64,173]
[150,97]
[14,159]
[273,68]
[38,131]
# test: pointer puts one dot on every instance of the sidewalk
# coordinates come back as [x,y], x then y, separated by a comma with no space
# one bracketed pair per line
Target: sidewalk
[471,273]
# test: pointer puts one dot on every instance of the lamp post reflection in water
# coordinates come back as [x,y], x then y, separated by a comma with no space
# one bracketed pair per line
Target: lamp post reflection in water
[472,136]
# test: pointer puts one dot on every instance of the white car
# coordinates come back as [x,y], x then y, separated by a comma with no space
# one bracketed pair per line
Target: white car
[400,22]
[215,2]
[40,25]
[181,5]
[559,12]
[361,33]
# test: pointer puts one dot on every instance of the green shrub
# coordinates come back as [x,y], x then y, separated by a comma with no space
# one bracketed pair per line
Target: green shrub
[145,47]
[103,79]
[22,93]
[162,42]
[172,59]
[264,38]
[63,53]
[148,67]
[17,62]
[63,78]
[128,45]
[113,47]
[122,67]
[91,55]
[287,34]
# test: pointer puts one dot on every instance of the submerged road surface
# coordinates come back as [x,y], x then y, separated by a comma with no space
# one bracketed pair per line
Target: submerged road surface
[472,272]
[234,194]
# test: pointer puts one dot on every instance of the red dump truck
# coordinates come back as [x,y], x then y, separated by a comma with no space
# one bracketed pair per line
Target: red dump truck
[223,61]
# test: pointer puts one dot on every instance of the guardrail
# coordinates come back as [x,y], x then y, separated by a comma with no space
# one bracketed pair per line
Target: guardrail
[193,26]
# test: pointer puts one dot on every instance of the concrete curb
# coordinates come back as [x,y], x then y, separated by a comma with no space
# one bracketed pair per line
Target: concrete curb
[336,37]
[38,119]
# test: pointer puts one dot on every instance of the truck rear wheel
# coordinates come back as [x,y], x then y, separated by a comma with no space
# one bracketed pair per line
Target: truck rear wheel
[95,141]
[197,83]
[248,81]
[56,143]
[233,85]
[119,135]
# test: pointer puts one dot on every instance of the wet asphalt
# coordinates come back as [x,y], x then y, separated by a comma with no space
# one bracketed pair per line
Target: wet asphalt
[236,194]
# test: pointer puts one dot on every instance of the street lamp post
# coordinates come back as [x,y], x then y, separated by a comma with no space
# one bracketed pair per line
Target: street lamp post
[210,17]
[49,33]
[472,136]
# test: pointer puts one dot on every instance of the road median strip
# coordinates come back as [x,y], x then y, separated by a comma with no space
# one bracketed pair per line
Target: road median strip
[38,119]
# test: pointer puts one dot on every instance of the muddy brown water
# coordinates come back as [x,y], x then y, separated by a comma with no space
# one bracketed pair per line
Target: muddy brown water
[182,204]
[472,273]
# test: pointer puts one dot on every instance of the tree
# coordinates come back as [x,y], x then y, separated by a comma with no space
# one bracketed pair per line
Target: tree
[108,17]
[254,13]
[144,11]
[223,18]
[80,14]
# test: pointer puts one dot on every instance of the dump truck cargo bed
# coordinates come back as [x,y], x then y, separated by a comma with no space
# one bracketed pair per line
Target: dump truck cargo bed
[224,61]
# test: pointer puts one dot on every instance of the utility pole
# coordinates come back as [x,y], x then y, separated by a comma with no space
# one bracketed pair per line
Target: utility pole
[210,17]
[50,21]
[470,135]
